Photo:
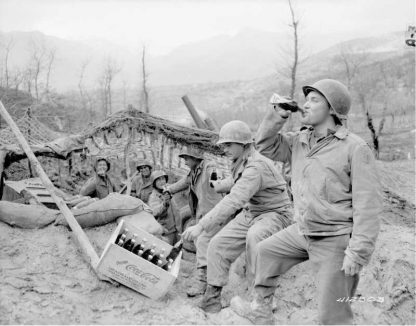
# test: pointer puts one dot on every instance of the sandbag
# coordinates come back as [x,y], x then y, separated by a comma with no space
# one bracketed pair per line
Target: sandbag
[145,221]
[76,200]
[105,210]
[26,216]
[85,203]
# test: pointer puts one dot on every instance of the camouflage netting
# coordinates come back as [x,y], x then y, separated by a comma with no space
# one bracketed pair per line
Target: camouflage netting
[124,138]
[136,135]
[35,132]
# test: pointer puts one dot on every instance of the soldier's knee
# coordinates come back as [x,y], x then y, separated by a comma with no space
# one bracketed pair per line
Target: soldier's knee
[256,235]
[217,244]
[263,247]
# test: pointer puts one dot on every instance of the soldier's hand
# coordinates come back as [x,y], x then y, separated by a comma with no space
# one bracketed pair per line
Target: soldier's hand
[276,109]
[350,267]
[166,196]
[192,232]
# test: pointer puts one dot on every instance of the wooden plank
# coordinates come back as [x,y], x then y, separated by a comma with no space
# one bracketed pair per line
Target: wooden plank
[84,243]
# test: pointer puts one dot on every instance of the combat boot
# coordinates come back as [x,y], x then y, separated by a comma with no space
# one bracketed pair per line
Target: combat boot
[199,283]
[211,301]
[259,311]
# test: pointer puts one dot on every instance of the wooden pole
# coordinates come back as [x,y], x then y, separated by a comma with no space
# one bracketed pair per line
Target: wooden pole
[29,132]
[81,237]
[129,180]
[199,123]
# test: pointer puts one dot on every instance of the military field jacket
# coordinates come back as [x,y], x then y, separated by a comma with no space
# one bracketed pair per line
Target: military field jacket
[162,211]
[98,187]
[259,187]
[202,198]
[335,185]
[141,189]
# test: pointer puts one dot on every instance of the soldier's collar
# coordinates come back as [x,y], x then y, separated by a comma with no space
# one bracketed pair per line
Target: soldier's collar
[340,132]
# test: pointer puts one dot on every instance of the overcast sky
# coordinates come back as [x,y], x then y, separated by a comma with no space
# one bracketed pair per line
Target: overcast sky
[164,25]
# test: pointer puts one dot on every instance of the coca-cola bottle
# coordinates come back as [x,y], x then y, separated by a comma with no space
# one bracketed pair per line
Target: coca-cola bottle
[124,232]
[168,265]
[158,258]
[130,243]
[213,177]
[121,240]
[175,251]
[149,253]
[140,248]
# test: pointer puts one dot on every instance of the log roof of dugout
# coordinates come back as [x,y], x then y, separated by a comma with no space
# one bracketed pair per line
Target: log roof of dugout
[147,123]
[141,121]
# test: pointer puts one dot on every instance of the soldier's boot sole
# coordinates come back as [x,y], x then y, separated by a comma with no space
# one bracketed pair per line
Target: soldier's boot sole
[243,309]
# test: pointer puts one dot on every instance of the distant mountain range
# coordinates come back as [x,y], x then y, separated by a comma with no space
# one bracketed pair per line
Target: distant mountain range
[247,55]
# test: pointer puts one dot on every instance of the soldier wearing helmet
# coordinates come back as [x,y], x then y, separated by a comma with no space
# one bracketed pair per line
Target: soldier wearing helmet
[202,198]
[337,201]
[159,202]
[100,185]
[258,196]
[142,183]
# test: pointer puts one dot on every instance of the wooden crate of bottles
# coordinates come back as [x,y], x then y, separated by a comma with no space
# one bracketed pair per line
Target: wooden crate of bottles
[151,276]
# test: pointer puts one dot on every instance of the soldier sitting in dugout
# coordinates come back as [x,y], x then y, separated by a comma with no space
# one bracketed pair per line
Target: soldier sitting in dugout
[159,202]
[142,183]
[101,184]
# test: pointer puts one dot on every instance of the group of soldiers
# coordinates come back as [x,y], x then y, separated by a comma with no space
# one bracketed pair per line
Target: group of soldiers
[332,220]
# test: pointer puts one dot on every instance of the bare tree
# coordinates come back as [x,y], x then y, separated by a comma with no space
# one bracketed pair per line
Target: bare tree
[50,60]
[125,84]
[373,91]
[291,57]
[111,69]
[351,62]
[83,93]
[27,79]
[16,79]
[144,96]
[294,67]
[37,65]
[8,46]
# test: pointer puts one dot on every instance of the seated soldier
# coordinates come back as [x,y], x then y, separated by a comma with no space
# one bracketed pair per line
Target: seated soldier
[142,184]
[100,185]
[159,203]
[257,197]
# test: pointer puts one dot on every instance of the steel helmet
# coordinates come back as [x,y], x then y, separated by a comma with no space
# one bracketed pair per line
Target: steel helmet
[235,131]
[102,159]
[158,174]
[335,92]
[193,152]
[144,163]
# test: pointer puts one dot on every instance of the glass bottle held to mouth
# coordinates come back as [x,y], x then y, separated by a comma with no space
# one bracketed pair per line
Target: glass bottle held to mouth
[285,103]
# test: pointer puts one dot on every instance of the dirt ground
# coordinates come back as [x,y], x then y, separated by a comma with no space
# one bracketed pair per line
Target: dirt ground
[44,280]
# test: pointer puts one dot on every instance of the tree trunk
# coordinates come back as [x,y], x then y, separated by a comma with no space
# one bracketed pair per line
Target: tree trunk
[374,134]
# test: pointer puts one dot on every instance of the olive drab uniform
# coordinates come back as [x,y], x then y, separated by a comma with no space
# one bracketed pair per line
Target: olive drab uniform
[99,187]
[336,202]
[142,188]
[163,213]
[202,198]
[259,195]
